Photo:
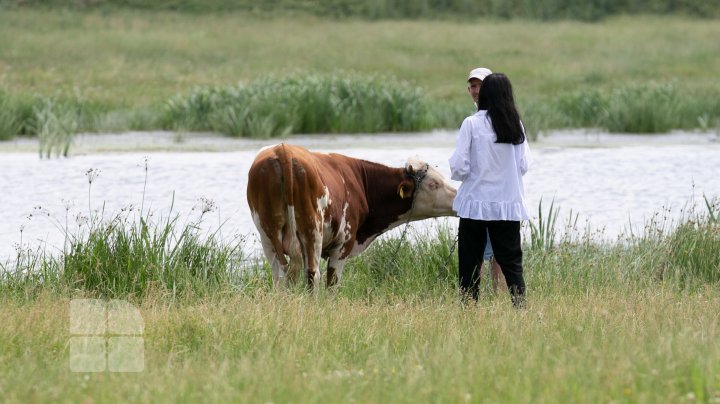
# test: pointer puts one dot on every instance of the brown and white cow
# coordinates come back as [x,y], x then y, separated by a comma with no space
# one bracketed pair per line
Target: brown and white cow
[308,206]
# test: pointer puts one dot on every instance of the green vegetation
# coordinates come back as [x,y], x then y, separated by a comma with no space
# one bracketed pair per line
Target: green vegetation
[401,9]
[597,346]
[632,321]
[332,104]
[102,71]
[636,108]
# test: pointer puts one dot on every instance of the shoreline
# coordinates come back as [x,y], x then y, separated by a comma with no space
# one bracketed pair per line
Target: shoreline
[171,142]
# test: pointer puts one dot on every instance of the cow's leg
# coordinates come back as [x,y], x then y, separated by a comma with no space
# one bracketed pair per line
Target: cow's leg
[293,245]
[272,249]
[294,269]
[334,270]
[313,249]
[278,270]
[312,238]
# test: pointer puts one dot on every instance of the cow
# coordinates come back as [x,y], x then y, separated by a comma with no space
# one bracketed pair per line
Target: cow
[308,205]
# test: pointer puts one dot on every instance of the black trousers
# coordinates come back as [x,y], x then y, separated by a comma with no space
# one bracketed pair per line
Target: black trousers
[505,238]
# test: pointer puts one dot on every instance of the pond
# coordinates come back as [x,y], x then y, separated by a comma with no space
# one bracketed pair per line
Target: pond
[612,182]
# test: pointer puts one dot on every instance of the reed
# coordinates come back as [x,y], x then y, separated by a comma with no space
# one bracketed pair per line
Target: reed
[272,107]
[634,108]
[543,231]
[10,121]
[351,104]
[693,249]
[55,128]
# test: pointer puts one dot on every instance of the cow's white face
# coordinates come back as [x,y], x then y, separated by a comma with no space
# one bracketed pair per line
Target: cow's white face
[435,196]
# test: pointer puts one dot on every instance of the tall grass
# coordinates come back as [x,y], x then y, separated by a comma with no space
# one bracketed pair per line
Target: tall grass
[129,255]
[635,108]
[403,9]
[544,230]
[414,267]
[54,120]
[55,128]
[303,104]
[128,258]
[133,256]
[352,103]
[10,118]
[694,249]
[119,258]
[272,107]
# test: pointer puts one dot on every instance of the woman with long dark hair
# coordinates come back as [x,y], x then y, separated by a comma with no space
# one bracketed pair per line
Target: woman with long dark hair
[491,156]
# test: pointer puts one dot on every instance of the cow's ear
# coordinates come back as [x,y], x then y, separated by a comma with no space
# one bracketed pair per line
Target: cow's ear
[405,189]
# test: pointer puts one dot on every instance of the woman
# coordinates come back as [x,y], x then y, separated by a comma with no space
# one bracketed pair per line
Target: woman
[490,158]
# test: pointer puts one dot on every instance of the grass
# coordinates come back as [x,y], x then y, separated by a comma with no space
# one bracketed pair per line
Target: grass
[403,9]
[125,69]
[319,104]
[601,345]
[634,320]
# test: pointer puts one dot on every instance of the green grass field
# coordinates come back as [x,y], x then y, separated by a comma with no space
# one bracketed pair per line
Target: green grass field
[626,345]
[633,321]
[141,58]
[118,70]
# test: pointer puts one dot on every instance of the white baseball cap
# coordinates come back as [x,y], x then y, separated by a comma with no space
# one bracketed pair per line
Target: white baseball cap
[479,73]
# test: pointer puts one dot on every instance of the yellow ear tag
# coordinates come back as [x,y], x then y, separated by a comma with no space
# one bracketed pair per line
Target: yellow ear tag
[402,194]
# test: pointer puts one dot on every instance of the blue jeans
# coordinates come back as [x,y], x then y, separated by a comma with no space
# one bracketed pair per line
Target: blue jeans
[488,249]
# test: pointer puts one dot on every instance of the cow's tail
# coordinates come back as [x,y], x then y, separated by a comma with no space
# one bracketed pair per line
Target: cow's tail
[291,242]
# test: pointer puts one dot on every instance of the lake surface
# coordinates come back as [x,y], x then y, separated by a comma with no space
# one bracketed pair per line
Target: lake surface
[612,181]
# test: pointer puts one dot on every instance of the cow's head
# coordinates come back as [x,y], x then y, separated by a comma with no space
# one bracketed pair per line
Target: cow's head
[433,194]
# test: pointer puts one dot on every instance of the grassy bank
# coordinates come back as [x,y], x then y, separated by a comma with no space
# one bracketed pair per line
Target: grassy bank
[133,253]
[635,320]
[128,70]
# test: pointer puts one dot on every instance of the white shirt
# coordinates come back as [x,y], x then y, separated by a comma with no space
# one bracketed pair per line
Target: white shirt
[491,173]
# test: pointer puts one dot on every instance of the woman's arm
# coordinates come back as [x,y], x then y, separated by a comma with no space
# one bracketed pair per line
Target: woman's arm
[524,153]
[460,160]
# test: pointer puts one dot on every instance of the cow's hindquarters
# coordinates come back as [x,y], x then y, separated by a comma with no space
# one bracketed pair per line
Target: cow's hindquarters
[273,214]
[287,200]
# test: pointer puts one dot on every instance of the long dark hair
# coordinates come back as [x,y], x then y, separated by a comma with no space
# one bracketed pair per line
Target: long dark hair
[496,96]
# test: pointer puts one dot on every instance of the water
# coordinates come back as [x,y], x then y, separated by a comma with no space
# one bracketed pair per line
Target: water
[612,182]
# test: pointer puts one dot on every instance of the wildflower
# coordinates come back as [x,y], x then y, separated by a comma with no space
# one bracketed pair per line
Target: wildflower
[91,174]
[207,205]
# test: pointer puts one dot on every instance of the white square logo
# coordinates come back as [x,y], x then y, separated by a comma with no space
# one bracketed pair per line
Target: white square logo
[106,336]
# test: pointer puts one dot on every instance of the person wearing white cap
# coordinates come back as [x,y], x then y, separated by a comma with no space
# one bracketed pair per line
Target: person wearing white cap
[491,157]
[475,78]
